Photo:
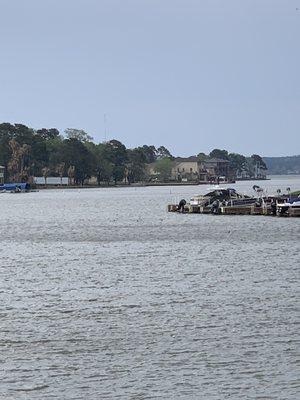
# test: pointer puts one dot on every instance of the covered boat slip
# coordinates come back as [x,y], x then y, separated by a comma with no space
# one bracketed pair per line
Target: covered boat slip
[11,187]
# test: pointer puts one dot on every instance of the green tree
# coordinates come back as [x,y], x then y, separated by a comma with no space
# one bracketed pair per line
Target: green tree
[150,153]
[217,153]
[36,153]
[79,134]
[237,162]
[103,168]
[136,164]
[259,161]
[116,154]
[18,165]
[202,157]
[53,149]
[6,135]
[164,168]
[23,134]
[47,134]
[249,167]
[163,152]
[39,155]
[74,153]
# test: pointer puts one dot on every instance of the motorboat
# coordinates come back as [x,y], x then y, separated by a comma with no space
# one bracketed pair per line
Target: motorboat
[226,196]
[285,207]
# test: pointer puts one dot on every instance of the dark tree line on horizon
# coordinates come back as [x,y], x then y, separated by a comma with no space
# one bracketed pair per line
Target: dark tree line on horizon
[25,153]
[283,165]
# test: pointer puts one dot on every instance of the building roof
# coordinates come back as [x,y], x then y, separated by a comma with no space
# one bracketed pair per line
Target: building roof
[186,159]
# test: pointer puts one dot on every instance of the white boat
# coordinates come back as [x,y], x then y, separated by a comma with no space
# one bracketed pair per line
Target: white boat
[224,195]
[287,206]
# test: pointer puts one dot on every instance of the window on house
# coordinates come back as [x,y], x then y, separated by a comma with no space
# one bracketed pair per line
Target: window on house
[191,169]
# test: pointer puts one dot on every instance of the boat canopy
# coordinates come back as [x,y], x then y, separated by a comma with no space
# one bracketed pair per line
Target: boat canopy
[221,192]
[294,200]
[14,186]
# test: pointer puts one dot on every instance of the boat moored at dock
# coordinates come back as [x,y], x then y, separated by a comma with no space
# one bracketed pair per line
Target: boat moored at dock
[290,208]
[228,201]
[226,196]
[15,187]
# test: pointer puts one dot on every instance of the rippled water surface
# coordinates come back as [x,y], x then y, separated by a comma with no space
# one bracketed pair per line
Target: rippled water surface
[105,295]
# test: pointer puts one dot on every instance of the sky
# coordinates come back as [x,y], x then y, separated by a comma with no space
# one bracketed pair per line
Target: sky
[192,75]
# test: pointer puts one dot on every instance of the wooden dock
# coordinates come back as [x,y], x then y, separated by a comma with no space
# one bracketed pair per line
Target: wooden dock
[236,210]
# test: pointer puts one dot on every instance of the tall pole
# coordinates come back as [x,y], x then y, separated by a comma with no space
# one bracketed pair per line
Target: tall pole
[105,128]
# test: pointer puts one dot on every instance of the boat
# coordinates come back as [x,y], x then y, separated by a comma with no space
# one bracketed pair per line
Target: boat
[15,187]
[288,207]
[228,201]
[226,196]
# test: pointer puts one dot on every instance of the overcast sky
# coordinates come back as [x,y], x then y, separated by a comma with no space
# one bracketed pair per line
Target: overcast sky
[188,74]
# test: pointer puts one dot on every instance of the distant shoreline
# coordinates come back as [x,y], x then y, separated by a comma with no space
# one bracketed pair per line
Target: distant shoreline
[144,184]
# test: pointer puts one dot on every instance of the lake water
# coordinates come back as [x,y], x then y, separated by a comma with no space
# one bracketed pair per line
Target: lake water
[105,295]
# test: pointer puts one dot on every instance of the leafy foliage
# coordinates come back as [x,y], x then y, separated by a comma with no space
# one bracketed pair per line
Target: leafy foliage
[164,167]
[217,153]
[25,152]
[78,134]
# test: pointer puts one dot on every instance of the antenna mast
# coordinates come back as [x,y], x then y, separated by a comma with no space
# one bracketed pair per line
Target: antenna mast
[105,128]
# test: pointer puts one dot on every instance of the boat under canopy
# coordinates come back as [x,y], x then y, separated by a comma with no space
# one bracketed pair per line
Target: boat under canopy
[225,195]
[15,186]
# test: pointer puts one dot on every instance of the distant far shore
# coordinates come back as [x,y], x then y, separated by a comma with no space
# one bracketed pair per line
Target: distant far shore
[144,184]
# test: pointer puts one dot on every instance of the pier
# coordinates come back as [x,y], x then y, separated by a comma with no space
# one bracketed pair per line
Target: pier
[238,210]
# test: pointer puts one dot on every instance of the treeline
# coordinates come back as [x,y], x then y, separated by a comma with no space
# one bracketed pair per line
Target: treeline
[26,153]
[283,165]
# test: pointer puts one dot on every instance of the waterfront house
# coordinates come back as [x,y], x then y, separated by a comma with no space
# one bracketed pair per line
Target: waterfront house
[192,169]
[183,170]
[189,168]
[216,167]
